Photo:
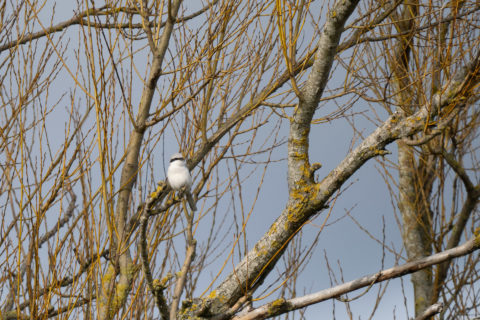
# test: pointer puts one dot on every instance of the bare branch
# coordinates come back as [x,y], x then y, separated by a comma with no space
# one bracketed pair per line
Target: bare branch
[430,311]
[189,256]
[80,19]
[157,290]
[282,306]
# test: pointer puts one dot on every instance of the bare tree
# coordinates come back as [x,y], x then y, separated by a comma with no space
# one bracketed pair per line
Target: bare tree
[92,102]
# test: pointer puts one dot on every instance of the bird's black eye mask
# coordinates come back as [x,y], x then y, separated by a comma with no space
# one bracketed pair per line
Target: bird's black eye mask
[174,159]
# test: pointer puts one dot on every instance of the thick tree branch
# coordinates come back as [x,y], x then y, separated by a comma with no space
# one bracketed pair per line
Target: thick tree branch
[430,311]
[440,127]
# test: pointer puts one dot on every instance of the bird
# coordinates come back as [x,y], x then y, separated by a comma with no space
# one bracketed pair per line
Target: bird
[179,178]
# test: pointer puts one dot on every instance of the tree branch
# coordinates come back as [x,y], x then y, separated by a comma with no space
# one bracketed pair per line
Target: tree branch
[430,311]
[156,290]
[282,306]
[79,19]
[189,256]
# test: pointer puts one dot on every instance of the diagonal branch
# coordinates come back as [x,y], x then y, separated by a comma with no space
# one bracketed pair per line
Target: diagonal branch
[282,306]
[460,171]
[80,19]
[75,20]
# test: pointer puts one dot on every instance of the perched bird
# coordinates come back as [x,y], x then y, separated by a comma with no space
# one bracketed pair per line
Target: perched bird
[178,177]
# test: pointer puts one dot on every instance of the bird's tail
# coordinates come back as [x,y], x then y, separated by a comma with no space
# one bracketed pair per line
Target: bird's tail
[190,200]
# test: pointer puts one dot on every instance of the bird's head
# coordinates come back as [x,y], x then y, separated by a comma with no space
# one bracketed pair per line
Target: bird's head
[177,157]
